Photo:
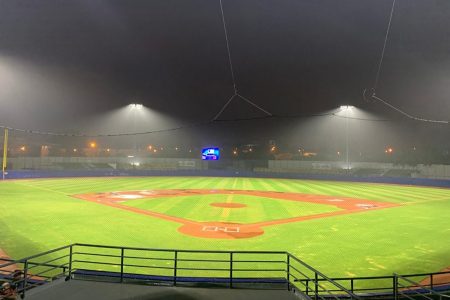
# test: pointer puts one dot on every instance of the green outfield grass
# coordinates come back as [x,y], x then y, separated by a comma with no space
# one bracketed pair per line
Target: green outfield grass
[37,215]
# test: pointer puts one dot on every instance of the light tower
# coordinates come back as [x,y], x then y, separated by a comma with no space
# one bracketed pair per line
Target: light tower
[347,109]
[135,107]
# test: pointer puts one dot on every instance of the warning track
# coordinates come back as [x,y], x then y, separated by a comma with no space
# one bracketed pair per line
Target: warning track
[224,230]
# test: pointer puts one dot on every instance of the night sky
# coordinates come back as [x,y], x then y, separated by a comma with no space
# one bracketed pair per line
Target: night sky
[64,61]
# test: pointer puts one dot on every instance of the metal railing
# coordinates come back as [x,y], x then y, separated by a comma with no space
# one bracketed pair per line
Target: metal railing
[409,289]
[387,285]
[178,266]
[231,269]
[38,269]
[313,283]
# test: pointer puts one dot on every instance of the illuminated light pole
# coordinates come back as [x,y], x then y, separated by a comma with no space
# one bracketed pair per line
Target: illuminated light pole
[135,107]
[5,153]
[347,109]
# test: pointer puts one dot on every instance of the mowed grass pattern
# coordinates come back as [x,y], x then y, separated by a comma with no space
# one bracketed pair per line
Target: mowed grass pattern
[258,209]
[41,214]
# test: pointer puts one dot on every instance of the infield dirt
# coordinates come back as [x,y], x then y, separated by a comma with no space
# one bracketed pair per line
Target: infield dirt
[226,230]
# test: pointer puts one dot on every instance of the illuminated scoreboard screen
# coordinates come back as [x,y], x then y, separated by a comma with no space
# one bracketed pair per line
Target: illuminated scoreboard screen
[210,154]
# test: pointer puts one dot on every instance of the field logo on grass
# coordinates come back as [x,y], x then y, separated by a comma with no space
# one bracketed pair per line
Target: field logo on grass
[219,228]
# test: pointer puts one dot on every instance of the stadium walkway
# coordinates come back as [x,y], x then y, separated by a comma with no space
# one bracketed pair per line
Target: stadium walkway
[78,289]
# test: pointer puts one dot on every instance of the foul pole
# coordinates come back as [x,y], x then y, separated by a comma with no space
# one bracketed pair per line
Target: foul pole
[5,153]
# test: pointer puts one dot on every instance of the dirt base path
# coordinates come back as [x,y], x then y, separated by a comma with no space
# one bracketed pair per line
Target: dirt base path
[440,279]
[4,259]
[8,270]
[226,230]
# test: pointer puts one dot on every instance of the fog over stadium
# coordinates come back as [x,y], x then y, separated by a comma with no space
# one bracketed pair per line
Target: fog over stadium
[75,67]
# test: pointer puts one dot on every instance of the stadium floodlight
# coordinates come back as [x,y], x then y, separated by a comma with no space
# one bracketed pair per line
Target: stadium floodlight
[346,107]
[137,106]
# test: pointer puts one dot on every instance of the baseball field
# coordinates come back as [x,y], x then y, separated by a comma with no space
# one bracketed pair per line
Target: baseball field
[341,228]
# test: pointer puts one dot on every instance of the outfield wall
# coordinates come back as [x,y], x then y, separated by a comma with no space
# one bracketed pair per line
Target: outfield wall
[434,171]
[36,167]
[23,174]
[329,165]
[113,163]
[361,169]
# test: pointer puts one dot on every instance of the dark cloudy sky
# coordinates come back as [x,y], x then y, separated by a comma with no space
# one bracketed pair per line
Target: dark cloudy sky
[64,60]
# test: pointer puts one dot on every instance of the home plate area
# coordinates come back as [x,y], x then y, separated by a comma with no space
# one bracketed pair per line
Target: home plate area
[219,230]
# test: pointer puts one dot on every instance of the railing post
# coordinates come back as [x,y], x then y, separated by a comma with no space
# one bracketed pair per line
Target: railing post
[122,252]
[351,285]
[231,270]
[307,287]
[175,263]
[395,286]
[70,263]
[25,278]
[288,271]
[431,282]
[316,288]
